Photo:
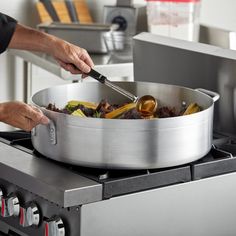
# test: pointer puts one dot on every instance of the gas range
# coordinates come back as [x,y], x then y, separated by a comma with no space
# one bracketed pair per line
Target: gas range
[43,197]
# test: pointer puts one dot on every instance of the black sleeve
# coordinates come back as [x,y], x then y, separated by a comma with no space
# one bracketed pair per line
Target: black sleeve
[7,28]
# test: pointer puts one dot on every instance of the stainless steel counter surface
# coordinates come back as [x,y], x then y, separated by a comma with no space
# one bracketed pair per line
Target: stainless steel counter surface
[104,63]
[45,178]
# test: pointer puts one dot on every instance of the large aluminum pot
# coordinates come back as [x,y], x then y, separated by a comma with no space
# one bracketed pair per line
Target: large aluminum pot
[123,144]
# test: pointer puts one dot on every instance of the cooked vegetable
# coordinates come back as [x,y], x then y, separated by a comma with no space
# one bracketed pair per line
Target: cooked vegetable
[125,111]
[118,112]
[74,103]
[97,114]
[79,113]
[192,108]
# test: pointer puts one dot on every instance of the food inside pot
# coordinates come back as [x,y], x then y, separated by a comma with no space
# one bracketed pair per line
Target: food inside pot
[115,111]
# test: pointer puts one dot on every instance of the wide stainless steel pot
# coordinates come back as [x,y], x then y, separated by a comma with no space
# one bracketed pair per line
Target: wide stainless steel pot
[124,144]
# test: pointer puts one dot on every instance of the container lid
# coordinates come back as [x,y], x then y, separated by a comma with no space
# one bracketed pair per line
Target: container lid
[172,0]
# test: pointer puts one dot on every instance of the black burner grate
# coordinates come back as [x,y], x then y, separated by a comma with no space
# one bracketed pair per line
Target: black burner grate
[19,139]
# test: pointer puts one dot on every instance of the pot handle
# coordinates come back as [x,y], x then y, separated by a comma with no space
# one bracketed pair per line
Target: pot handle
[52,132]
[215,96]
[51,128]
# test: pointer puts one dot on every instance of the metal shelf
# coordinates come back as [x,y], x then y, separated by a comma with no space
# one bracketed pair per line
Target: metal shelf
[104,63]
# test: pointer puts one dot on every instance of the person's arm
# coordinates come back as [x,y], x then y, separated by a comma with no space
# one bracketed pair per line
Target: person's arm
[64,52]
[13,35]
[21,115]
[7,28]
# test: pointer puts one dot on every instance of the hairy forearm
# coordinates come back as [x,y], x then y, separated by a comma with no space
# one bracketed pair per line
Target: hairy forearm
[30,39]
[64,52]
[2,112]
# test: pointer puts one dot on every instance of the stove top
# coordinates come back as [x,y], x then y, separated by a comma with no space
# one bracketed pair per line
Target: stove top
[60,195]
[220,160]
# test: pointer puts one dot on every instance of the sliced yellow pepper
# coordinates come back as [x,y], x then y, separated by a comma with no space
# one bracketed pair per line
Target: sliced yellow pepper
[192,108]
[79,113]
[74,103]
[119,111]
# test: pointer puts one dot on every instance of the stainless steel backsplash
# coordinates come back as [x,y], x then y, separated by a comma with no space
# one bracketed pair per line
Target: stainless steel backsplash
[209,64]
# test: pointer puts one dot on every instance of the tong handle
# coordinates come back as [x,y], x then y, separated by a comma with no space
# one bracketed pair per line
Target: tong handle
[103,79]
[96,75]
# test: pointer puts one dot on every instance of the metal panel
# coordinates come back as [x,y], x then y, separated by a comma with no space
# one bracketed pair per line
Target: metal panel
[167,60]
[173,61]
[119,186]
[205,207]
[45,178]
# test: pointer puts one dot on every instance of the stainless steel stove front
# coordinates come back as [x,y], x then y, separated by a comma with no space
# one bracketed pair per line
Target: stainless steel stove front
[39,197]
[48,214]
[205,207]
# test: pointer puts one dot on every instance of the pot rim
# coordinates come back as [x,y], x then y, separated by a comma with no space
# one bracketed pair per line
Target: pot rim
[199,91]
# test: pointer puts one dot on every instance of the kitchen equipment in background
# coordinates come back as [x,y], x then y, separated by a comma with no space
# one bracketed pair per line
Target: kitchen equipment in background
[67,11]
[83,11]
[119,45]
[71,9]
[50,9]
[218,37]
[62,11]
[43,14]
[120,143]
[174,18]
[88,36]
[130,18]
[192,65]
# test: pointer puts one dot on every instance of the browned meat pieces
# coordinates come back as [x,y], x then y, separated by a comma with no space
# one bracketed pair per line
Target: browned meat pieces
[89,112]
[104,107]
[164,112]
[52,107]
[131,114]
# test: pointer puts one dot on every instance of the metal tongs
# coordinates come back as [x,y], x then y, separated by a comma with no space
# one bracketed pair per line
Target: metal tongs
[146,105]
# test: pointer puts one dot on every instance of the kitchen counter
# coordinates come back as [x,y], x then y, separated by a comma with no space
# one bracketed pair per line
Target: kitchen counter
[104,63]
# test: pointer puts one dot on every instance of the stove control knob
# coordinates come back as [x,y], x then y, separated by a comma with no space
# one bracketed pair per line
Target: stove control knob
[33,215]
[4,210]
[1,196]
[54,227]
[29,216]
[23,221]
[10,206]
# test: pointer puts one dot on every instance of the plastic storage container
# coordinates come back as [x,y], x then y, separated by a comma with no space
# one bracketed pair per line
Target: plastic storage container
[174,18]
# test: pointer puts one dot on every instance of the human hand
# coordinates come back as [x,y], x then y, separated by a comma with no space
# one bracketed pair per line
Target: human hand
[71,57]
[21,115]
